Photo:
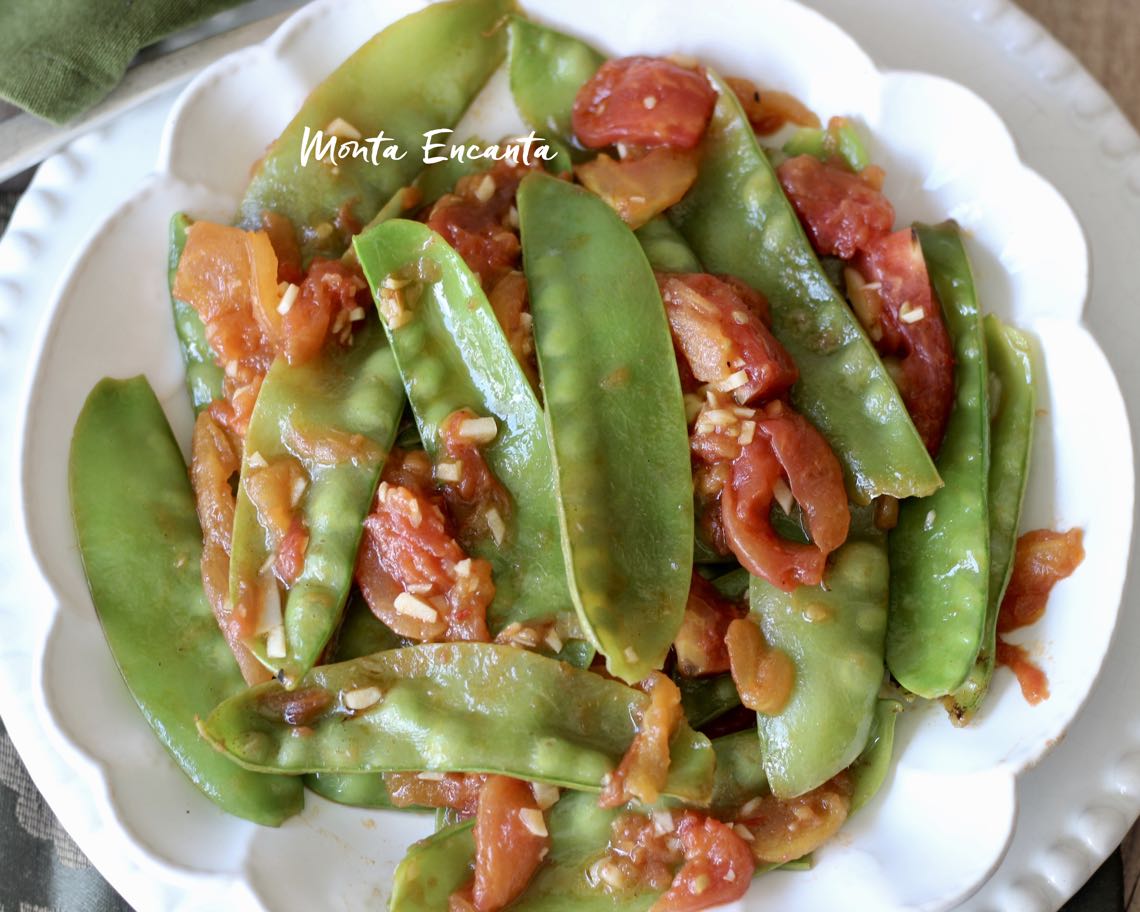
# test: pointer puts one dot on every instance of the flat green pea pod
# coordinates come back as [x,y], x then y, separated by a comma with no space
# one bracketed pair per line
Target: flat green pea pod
[337,417]
[547,68]
[452,355]
[1011,439]
[739,222]
[141,546]
[665,248]
[417,75]
[363,790]
[362,633]
[616,422]
[869,772]
[837,141]
[834,635]
[579,832]
[453,707]
[940,555]
[203,376]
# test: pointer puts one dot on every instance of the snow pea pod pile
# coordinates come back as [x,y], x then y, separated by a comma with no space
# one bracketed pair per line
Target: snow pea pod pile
[598,504]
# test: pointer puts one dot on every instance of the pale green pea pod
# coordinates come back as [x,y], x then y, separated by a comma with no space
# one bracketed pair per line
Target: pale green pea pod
[840,142]
[665,248]
[531,717]
[834,635]
[616,423]
[452,355]
[347,397]
[940,555]
[869,772]
[1011,440]
[204,378]
[738,222]
[443,55]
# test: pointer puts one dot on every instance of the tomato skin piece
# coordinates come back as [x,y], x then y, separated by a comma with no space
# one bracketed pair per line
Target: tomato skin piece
[718,866]
[841,212]
[764,676]
[926,380]
[769,111]
[643,101]
[1043,558]
[507,853]
[644,769]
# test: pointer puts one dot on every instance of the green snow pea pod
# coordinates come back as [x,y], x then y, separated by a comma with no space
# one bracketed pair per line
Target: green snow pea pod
[203,376]
[362,633]
[453,354]
[141,546]
[665,248]
[869,772]
[616,422]
[346,399]
[1011,439]
[834,635]
[842,142]
[417,75]
[547,68]
[739,222]
[455,707]
[434,868]
[940,555]
[363,790]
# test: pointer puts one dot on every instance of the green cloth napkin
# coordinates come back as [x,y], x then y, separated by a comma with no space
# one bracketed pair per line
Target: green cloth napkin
[59,57]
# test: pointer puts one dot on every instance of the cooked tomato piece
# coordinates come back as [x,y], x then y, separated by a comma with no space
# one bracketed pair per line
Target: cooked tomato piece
[1030,678]
[700,644]
[716,326]
[784,829]
[329,446]
[813,472]
[332,297]
[643,101]
[1043,558]
[718,866]
[508,850]
[645,767]
[291,552]
[459,791]
[642,851]
[415,576]
[900,312]
[764,676]
[510,301]
[478,503]
[638,188]
[283,237]
[481,222]
[841,212]
[770,111]
[215,460]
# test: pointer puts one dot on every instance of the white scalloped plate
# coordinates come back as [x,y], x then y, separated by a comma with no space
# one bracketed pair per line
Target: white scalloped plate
[947,815]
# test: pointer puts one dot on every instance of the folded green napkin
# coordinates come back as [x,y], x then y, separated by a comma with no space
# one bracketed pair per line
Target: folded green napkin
[59,57]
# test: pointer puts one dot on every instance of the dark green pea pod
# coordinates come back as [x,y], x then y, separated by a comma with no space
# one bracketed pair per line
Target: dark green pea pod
[834,635]
[203,376]
[419,74]
[869,772]
[547,68]
[665,248]
[738,222]
[530,717]
[141,546]
[346,392]
[453,354]
[840,142]
[1011,439]
[362,633]
[362,790]
[940,560]
[705,700]
[616,422]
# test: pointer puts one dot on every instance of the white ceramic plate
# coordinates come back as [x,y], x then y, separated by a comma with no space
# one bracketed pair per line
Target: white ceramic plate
[947,154]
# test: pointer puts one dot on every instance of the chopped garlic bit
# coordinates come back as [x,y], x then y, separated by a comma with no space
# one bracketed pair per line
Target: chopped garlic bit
[463,568]
[257,461]
[747,432]
[650,102]
[270,605]
[910,314]
[288,298]
[420,588]
[496,525]
[545,795]
[362,698]
[928,523]
[232,369]
[391,307]
[486,189]
[394,282]
[553,640]
[739,317]
[730,875]
[342,129]
[356,314]
[415,514]
[750,807]
[731,382]
[662,822]
[513,219]
[631,655]
[700,884]
[275,643]
[299,485]
[413,607]
[478,430]
[743,832]
[449,471]
[430,776]
[783,495]
[533,820]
